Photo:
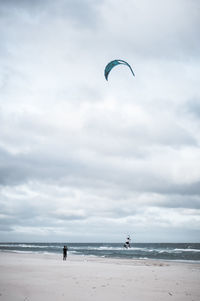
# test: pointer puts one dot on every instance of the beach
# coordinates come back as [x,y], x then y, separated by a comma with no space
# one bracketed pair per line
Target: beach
[31,277]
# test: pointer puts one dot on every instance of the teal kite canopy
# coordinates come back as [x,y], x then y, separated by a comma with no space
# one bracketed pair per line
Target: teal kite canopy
[114,63]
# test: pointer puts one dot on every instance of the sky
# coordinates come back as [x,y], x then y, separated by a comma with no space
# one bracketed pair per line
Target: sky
[83,159]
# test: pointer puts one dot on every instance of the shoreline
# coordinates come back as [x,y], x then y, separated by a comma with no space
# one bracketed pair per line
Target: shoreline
[72,255]
[40,277]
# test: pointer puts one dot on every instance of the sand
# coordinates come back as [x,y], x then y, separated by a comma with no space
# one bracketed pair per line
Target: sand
[37,277]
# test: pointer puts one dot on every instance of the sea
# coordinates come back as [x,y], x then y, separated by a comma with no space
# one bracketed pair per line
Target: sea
[189,252]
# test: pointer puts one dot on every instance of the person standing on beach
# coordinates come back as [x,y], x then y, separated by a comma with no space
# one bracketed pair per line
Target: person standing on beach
[65,252]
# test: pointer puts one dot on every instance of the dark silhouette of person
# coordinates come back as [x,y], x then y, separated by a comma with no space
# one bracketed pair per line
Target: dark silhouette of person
[127,244]
[65,252]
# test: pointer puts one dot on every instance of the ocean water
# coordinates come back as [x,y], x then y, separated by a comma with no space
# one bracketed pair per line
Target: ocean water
[165,251]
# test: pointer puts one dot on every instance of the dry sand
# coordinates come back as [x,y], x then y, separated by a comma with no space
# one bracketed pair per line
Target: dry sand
[35,277]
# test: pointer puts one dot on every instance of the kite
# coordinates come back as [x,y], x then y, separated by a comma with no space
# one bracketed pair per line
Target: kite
[114,63]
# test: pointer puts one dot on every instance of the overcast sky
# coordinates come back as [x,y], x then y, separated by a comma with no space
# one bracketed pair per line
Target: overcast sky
[86,160]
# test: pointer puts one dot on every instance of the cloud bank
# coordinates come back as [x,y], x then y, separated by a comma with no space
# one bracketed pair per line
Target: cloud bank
[82,159]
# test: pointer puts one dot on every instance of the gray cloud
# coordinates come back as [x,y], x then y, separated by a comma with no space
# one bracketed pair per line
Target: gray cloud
[166,34]
[82,13]
[193,107]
